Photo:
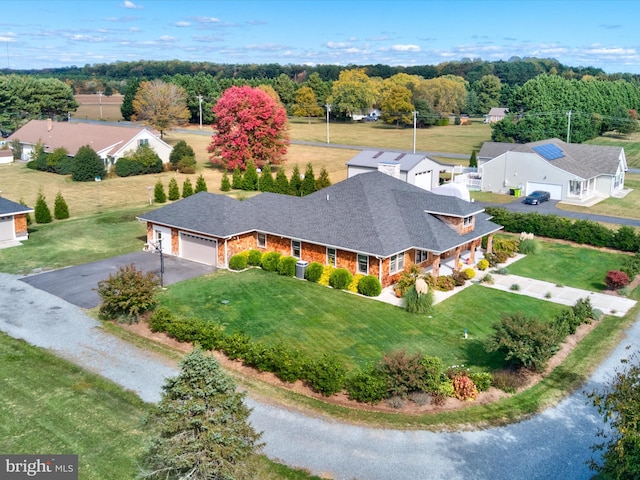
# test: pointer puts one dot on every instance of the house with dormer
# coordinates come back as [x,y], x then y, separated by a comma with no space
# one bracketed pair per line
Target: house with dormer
[370,224]
[568,171]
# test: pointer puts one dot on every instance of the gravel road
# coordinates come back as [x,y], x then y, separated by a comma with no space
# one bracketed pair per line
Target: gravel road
[554,444]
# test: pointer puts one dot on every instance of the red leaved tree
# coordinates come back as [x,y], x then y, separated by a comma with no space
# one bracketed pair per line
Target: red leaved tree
[250,125]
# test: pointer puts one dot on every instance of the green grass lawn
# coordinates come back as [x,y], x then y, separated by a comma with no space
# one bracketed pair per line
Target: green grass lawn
[318,320]
[76,241]
[631,144]
[568,265]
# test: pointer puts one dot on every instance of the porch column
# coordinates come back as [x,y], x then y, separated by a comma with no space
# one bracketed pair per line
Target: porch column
[472,253]
[490,243]
[457,258]
[435,266]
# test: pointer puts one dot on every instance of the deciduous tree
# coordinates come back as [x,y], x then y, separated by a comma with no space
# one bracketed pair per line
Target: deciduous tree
[396,106]
[87,165]
[200,429]
[306,104]
[161,105]
[353,93]
[249,124]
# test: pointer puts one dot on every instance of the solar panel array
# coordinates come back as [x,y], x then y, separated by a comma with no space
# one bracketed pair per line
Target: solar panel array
[549,151]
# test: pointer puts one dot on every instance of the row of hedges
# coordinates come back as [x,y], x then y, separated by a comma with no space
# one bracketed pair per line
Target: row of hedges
[396,375]
[586,232]
[338,278]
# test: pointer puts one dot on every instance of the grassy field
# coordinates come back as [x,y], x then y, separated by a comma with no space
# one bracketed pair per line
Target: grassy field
[631,144]
[319,320]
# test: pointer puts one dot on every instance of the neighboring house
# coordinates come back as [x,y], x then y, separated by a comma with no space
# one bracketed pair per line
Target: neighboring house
[13,220]
[110,142]
[370,224]
[6,154]
[569,171]
[496,114]
[413,168]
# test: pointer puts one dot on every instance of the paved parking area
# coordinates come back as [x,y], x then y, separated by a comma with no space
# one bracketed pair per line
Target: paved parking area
[77,284]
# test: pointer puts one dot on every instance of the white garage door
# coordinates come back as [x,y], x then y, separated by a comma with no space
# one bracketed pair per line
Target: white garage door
[6,228]
[423,180]
[553,189]
[198,249]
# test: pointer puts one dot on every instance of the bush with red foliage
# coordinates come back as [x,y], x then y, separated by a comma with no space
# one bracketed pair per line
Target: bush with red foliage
[616,279]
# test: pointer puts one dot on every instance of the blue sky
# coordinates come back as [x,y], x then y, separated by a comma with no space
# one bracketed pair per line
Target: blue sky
[41,34]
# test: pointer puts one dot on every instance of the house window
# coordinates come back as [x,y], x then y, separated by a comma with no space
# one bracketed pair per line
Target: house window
[396,263]
[363,264]
[262,240]
[467,221]
[421,256]
[295,248]
[143,141]
[331,257]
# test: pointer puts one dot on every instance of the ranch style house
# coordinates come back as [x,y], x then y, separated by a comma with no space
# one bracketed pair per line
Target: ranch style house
[13,221]
[370,224]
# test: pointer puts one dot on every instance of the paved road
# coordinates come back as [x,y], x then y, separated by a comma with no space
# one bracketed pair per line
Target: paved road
[554,444]
[77,284]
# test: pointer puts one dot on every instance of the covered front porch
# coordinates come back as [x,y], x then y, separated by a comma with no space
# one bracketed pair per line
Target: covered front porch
[463,256]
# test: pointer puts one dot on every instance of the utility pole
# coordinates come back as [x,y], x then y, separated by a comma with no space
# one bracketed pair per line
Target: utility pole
[415,122]
[568,126]
[328,106]
[100,100]
[200,105]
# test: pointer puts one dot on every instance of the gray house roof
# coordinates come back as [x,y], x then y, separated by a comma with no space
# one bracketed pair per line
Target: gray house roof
[582,160]
[8,207]
[498,112]
[371,159]
[372,213]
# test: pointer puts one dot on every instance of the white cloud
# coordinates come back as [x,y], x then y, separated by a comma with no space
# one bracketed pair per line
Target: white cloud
[405,48]
[131,5]
[338,45]
[207,20]
[182,24]
[8,37]
[167,39]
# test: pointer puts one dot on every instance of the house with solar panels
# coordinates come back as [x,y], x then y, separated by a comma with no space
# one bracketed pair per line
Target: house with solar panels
[571,172]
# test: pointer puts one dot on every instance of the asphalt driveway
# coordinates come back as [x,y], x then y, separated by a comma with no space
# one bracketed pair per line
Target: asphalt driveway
[77,284]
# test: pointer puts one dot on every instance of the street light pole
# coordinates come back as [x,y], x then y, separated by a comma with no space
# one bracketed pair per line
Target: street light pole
[150,198]
[161,262]
[415,117]
[328,106]
[200,106]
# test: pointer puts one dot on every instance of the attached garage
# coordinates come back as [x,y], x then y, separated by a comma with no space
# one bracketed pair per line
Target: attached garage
[554,189]
[6,228]
[198,249]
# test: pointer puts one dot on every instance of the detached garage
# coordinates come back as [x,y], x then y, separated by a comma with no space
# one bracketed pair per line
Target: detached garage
[553,189]
[13,221]
[198,249]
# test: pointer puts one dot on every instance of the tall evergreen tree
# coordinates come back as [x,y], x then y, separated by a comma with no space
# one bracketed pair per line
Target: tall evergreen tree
[126,109]
[60,207]
[201,185]
[200,429]
[159,194]
[309,182]
[41,210]
[250,181]
[267,183]
[323,180]
[174,190]
[225,184]
[236,179]
[187,188]
[282,182]
[295,183]
[473,161]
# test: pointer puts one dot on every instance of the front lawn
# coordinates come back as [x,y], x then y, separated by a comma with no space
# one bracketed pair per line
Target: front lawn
[568,265]
[317,319]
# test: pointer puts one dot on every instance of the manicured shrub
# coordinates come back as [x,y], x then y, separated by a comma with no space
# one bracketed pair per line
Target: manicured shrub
[225,184]
[459,278]
[238,262]
[353,286]
[180,151]
[127,293]
[583,310]
[174,190]
[60,208]
[187,188]
[482,380]
[631,266]
[270,261]
[159,195]
[626,239]
[211,336]
[288,364]
[340,279]
[366,386]
[369,286]
[87,165]
[187,165]
[236,346]
[327,271]
[236,179]
[287,266]
[201,184]
[507,245]
[566,323]
[418,302]
[314,272]
[254,258]
[160,319]
[185,329]
[469,273]
[483,264]
[445,283]
[326,375]
[616,279]
[464,388]
[509,380]
[403,373]
[433,369]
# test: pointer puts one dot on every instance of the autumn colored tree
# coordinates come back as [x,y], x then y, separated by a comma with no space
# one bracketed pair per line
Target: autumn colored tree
[397,107]
[445,95]
[354,92]
[161,105]
[306,104]
[251,125]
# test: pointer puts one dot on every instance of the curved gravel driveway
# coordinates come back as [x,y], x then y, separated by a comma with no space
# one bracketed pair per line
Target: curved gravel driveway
[554,444]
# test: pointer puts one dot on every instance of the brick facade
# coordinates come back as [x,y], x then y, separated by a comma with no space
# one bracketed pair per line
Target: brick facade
[20,225]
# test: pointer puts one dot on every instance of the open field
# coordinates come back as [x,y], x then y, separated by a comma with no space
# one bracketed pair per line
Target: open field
[631,144]
[89,108]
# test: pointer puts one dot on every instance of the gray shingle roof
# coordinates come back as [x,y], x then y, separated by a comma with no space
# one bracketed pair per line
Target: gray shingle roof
[8,207]
[585,161]
[371,159]
[371,213]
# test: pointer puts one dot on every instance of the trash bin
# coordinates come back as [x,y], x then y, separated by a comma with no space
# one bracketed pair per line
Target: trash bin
[516,192]
[301,268]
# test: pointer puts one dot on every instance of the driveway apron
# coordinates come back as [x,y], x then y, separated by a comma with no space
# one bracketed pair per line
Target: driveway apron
[553,444]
